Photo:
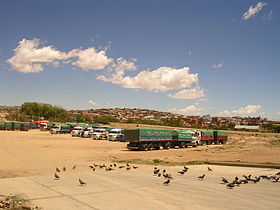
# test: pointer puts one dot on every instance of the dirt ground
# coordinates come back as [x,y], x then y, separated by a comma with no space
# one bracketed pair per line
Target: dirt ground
[38,153]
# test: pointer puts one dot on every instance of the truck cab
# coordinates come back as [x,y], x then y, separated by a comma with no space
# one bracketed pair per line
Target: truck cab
[116,134]
[76,130]
[99,134]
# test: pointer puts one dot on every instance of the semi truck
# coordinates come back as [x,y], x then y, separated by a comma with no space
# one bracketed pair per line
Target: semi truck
[116,134]
[212,137]
[149,138]
[60,129]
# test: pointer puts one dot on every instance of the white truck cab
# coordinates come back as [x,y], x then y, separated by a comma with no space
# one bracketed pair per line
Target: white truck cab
[115,134]
[76,130]
[99,133]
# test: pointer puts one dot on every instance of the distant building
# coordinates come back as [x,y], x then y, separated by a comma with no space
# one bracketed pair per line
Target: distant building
[247,127]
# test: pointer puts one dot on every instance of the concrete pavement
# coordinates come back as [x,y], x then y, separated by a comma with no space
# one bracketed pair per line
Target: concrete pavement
[139,189]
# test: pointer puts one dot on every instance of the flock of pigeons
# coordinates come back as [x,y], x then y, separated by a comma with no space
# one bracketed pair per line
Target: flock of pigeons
[93,167]
[236,182]
[158,172]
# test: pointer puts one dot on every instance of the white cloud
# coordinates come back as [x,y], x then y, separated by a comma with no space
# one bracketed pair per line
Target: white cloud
[189,110]
[90,59]
[217,66]
[249,110]
[193,93]
[190,52]
[91,102]
[253,10]
[161,79]
[28,57]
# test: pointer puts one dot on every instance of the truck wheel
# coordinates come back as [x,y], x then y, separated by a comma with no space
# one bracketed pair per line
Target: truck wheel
[183,145]
[145,147]
[100,138]
[150,146]
[167,145]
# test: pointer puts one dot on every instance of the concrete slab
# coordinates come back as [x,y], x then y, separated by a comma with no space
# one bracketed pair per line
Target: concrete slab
[140,189]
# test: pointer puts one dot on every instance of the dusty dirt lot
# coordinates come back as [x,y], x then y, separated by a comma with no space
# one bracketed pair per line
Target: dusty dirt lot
[38,153]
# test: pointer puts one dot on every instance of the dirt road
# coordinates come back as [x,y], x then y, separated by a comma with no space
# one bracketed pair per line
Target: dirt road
[37,153]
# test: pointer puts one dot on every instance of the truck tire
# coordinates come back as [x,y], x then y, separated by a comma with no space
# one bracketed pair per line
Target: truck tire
[167,145]
[150,146]
[145,147]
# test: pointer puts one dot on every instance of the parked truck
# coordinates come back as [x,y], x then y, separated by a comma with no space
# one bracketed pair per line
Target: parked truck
[116,134]
[60,129]
[99,133]
[212,137]
[149,138]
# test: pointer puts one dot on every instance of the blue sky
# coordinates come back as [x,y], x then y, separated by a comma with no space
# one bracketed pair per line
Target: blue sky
[190,57]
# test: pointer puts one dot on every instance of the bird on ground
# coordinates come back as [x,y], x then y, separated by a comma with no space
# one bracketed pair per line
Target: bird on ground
[278,174]
[57,169]
[246,177]
[230,185]
[159,174]
[257,179]
[111,165]
[95,165]
[186,168]
[128,168]
[56,176]
[224,180]
[82,182]
[209,169]
[276,179]
[109,169]
[166,182]
[121,166]
[135,167]
[93,169]
[181,172]
[64,168]
[163,171]
[127,165]
[74,167]
[115,165]
[244,181]
[201,177]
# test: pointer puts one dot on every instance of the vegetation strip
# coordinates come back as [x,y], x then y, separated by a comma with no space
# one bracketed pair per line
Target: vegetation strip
[242,164]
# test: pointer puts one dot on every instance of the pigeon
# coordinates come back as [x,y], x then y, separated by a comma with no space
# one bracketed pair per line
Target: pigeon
[186,168]
[128,168]
[111,165]
[181,172]
[115,165]
[209,169]
[95,165]
[201,177]
[57,169]
[244,181]
[163,171]
[278,174]
[224,180]
[276,179]
[166,182]
[82,182]
[121,166]
[257,179]
[127,165]
[64,168]
[56,176]
[230,185]
[109,169]
[93,169]
[135,167]
[74,167]
[159,174]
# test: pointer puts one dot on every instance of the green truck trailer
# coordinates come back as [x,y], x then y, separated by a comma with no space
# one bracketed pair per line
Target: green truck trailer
[2,125]
[149,138]
[213,137]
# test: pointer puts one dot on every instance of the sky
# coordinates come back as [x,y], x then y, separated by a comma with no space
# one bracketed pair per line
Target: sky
[190,57]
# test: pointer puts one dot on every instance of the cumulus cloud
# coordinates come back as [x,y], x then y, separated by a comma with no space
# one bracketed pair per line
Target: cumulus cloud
[249,110]
[253,10]
[91,102]
[90,59]
[161,79]
[189,110]
[218,66]
[29,57]
[192,93]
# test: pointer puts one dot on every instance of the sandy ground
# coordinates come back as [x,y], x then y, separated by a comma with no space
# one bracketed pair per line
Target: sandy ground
[28,161]
[37,153]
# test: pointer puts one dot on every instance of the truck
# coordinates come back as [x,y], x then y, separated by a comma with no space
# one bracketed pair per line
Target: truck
[212,137]
[116,134]
[60,129]
[24,126]
[87,132]
[99,133]
[152,138]
[2,125]
[76,130]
